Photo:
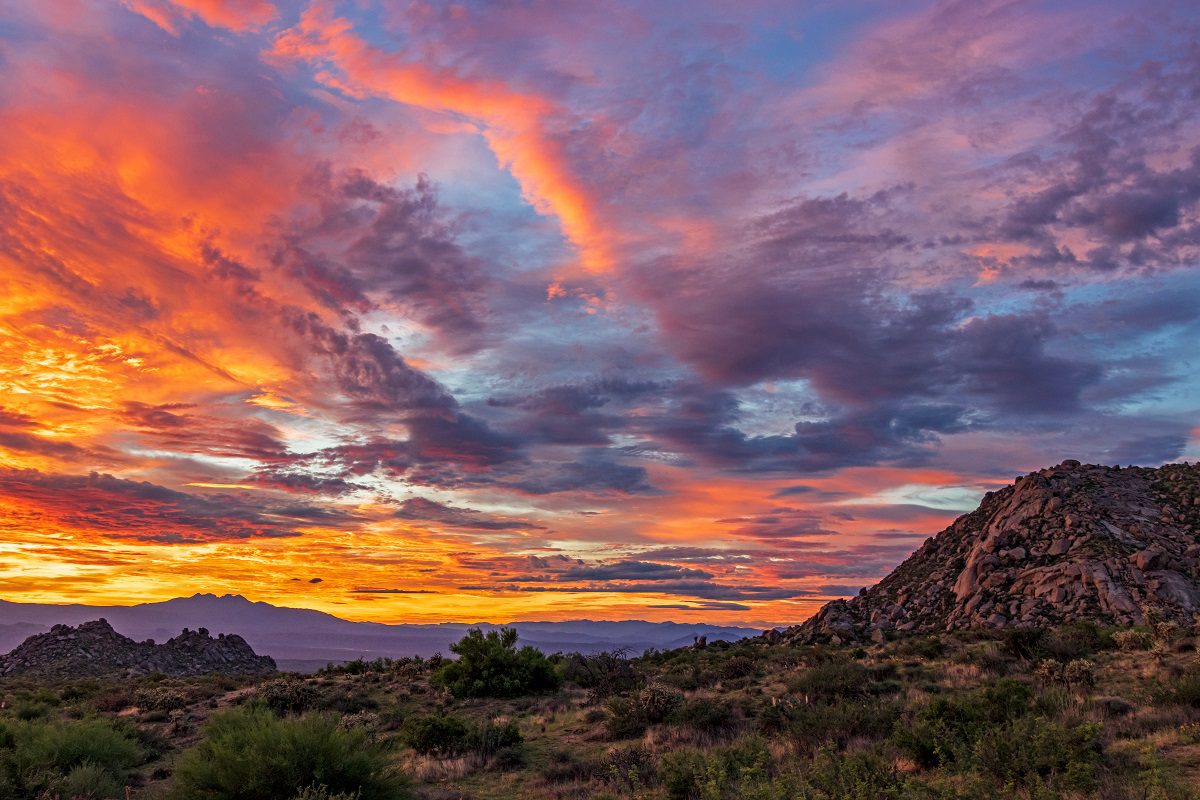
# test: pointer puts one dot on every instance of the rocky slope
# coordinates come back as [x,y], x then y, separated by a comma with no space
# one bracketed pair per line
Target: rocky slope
[1068,543]
[94,649]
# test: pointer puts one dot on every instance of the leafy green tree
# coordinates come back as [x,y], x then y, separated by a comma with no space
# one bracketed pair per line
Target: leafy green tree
[491,665]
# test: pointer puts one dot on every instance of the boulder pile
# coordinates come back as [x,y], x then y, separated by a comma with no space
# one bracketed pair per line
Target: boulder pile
[94,649]
[1075,542]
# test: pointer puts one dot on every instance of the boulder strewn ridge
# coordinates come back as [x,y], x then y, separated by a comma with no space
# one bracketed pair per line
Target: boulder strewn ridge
[1065,544]
[94,649]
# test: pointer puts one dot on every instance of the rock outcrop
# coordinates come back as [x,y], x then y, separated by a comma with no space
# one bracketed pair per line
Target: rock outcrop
[1065,544]
[94,649]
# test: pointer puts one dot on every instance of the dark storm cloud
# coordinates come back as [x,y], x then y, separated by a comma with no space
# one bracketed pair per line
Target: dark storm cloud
[177,427]
[371,244]
[423,509]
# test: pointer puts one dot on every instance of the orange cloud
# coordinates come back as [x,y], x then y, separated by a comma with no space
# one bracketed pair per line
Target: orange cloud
[236,15]
[520,128]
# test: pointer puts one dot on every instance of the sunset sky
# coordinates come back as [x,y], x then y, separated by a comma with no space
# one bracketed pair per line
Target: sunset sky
[507,310]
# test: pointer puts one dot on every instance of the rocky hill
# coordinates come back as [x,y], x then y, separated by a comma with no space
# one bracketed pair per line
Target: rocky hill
[1068,543]
[94,649]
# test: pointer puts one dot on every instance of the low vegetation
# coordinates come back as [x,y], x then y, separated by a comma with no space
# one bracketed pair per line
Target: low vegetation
[1077,712]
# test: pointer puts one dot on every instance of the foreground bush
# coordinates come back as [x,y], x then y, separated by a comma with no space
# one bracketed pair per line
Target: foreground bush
[490,665]
[250,754]
[91,758]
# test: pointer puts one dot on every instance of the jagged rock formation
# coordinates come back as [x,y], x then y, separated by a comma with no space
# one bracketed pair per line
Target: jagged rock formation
[94,649]
[1068,543]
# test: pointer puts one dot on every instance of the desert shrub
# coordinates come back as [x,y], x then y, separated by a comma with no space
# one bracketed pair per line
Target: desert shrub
[630,768]
[602,674]
[436,735]
[1024,643]
[348,700]
[1031,751]
[861,775]
[946,730]
[448,735]
[114,699]
[630,716]
[160,698]
[362,666]
[323,793]
[250,754]
[737,667]
[496,739]
[811,725]
[490,665]
[39,758]
[88,781]
[29,710]
[1077,640]
[706,715]
[1183,690]
[563,766]
[729,771]
[923,647]
[286,696]
[831,680]
[626,719]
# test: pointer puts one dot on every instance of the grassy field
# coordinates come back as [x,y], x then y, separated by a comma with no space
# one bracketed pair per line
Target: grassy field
[1077,712]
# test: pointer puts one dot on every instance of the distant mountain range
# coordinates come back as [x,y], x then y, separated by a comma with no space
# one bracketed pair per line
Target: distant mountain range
[303,639]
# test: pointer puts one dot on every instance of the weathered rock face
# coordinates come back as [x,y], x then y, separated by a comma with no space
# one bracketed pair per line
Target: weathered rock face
[1069,543]
[94,649]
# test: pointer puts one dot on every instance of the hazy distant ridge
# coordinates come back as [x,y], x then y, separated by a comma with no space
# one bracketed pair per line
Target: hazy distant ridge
[299,638]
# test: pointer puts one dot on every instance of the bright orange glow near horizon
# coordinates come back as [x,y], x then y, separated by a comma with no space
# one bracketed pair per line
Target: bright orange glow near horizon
[495,312]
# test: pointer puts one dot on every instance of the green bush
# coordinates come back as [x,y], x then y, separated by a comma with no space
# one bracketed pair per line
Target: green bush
[740,769]
[626,718]
[1024,643]
[946,730]
[860,775]
[447,735]
[812,725]
[705,715]
[1077,640]
[50,758]
[250,754]
[436,735]
[832,680]
[1031,752]
[91,782]
[286,696]
[1183,690]
[490,665]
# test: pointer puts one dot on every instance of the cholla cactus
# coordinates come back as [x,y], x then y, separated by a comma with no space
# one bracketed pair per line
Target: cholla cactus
[1050,671]
[1133,639]
[1080,673]
[1166,631]
[658,701]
